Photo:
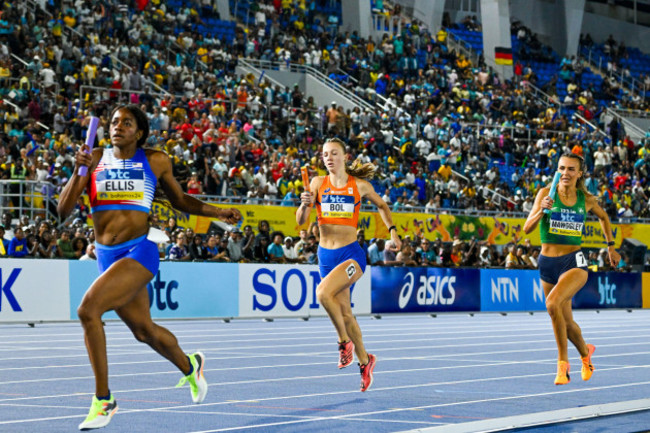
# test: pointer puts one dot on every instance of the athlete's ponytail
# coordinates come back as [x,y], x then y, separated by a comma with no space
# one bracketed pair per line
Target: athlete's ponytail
[365,171]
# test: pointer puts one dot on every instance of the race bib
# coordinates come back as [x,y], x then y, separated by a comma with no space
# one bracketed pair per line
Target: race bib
[337,206]
[566,223]
[119,184]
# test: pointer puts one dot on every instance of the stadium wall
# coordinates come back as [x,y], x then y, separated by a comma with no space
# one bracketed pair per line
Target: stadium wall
[50,290]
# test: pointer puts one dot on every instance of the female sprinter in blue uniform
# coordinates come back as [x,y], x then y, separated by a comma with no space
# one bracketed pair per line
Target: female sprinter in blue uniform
[562,265]
[340,258]
[121,182]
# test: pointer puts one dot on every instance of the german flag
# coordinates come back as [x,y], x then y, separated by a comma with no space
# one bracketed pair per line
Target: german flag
[503,56]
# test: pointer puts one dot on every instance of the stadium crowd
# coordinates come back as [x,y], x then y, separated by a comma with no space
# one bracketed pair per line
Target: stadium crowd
[450,134]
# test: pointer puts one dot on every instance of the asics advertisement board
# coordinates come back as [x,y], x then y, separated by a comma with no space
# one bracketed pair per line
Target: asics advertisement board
[412,290]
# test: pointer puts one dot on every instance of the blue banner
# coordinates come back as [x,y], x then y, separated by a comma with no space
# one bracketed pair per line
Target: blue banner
[401,290]
[511,290]
[179,290]
[610,290]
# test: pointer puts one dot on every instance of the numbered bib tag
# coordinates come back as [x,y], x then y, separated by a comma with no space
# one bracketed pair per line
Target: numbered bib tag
[581,261]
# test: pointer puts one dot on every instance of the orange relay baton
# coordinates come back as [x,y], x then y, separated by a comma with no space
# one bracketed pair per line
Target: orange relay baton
[305,178]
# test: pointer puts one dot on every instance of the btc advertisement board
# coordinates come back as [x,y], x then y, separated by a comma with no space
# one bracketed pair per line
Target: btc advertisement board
[178,290]
[610,290]
[412,290]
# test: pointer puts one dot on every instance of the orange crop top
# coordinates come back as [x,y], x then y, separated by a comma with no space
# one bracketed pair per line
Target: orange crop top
[338,205]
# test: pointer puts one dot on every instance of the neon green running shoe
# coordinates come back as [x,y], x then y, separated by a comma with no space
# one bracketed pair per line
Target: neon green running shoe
[100,414]
[198,384]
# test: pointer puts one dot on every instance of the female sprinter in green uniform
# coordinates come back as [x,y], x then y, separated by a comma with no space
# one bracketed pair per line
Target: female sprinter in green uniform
[121,181]
[562,265]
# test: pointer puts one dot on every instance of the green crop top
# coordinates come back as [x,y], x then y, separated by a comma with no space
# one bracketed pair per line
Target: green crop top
[565,223]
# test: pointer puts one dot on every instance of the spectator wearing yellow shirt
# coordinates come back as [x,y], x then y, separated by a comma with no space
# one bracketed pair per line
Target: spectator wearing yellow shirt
[202,52]
[445,171]
[441,36]
[90,73]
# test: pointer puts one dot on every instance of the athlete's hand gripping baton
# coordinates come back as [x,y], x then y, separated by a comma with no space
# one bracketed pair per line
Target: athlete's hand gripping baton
[556,180]
[90,141]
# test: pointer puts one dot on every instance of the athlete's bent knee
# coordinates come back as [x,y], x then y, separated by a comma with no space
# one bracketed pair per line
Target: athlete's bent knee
[144,334]
[553,307]
[322,295]
[87,314]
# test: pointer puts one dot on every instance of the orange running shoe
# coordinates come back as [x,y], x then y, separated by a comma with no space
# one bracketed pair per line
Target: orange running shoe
[562,377]
[346,354]
[587,366]
[366,372]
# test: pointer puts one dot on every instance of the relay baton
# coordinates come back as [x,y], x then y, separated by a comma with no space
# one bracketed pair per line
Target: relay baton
[90,141]
[551,193]
[305,178]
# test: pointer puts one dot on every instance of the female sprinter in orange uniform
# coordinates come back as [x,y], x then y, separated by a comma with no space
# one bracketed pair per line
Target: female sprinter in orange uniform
[121,182]
[340,258]
[562,266]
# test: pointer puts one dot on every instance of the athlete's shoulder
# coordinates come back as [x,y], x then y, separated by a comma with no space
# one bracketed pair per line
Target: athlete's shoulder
[156,155]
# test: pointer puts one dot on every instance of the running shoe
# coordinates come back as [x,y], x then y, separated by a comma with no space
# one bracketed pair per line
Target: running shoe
[587,366]
[562,377]
[100,414]
[366,372]
[198,384]
[346,354]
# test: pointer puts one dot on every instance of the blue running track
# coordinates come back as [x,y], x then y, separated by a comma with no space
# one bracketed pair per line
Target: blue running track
[448,373]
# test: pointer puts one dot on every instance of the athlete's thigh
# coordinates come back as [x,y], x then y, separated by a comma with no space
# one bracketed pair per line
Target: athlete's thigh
[136,313]
[341,277]
[569,284]
[118,285]
[547,288]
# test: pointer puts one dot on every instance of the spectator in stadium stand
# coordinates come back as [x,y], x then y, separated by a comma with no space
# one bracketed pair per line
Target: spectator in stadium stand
[18,245]
[4,243]
[562,264]
[341,259]
[179,250]
[276,252]
[376,252]
[197,251]
[261,251]
[127,260]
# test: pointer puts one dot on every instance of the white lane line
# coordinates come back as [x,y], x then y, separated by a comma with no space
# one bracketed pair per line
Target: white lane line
[500,378]
[338,417]
[420,358]
[541,418]
[367,341]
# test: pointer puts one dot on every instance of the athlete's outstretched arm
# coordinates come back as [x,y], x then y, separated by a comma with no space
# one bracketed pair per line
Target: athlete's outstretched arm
[367,191]
[593,206]
[161,164]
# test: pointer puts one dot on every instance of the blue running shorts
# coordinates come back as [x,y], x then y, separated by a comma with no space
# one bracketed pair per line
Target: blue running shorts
[551,268]
[329,259]
[141,249]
